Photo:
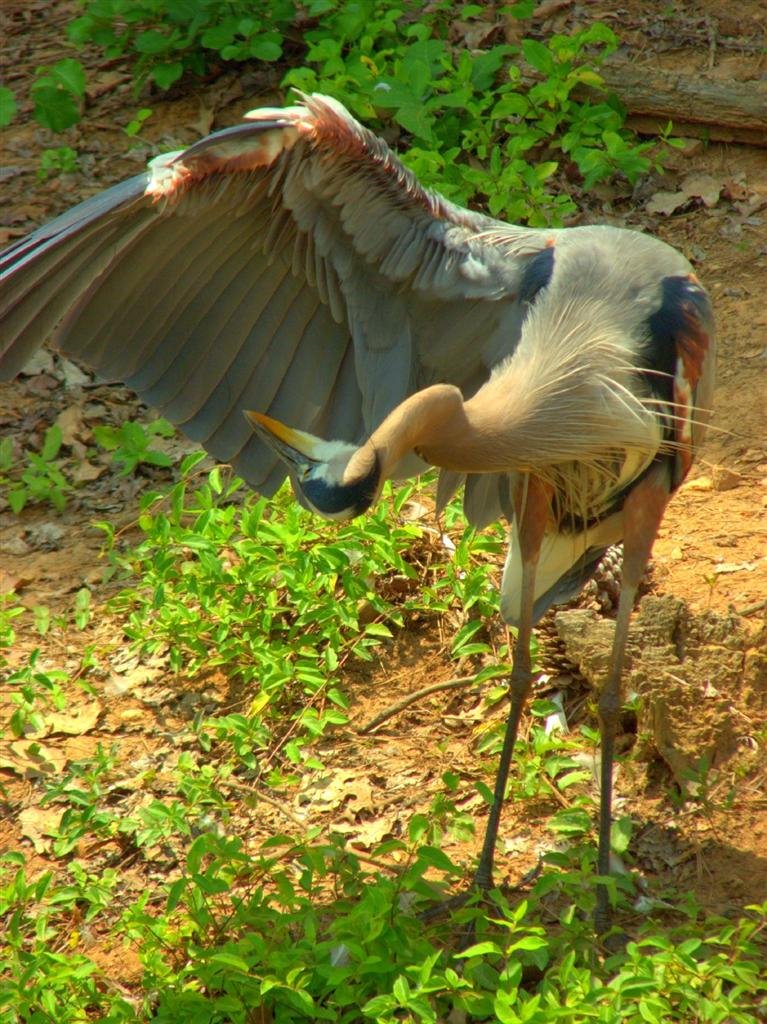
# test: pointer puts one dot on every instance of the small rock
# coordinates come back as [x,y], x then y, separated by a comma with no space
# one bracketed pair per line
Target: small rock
[724,479]
[700,483]
[72,375]
[14,546]
[42,384]
[45,536]
[41,362]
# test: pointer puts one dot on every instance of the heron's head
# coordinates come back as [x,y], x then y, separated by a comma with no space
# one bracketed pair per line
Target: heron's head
[336,479]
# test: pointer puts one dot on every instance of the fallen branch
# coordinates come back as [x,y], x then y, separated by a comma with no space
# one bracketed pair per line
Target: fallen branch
[412,698]
[752,608]
[696,105]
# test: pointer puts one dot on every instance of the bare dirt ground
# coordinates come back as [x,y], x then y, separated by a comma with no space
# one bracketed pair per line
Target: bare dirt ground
[699,654]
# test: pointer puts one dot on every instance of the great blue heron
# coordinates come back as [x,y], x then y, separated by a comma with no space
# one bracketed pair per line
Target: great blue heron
[292,265]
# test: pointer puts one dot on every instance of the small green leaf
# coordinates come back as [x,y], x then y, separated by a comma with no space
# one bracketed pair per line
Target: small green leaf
[70,75]
[377,629]
[51,443]
[265,49]
[54,108]
[152,42]
[7,106]
[480,949]
[230,960]
[166,74]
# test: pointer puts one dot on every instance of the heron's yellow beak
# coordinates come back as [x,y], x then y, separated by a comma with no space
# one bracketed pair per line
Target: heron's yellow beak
[294,446]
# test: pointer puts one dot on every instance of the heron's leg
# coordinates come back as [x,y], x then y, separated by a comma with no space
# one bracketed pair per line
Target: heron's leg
[532,513]
[642,513]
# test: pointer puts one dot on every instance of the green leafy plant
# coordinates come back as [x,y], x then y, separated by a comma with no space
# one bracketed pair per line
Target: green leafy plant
[57,160]
[516,126]
[131,444]
[40,480]
[170,37]
[57,93]
[34,690]
[265,591]
[134,126]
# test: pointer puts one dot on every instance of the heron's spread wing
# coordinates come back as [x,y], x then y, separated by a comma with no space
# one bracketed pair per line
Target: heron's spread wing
[290,265]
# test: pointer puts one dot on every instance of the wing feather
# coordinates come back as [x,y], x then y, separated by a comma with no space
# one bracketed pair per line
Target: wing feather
[290,264]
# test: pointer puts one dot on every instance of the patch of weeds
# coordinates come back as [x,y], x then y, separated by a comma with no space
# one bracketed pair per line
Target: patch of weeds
[80,615]
[57,160]
[303,929]
[243,933]
[704,790]
[43,977]
[543,761]
[264,592]
[136,123]
[33,691]
[131,444]
[452,103]
[83,790]
[167,38]
[38,481]
[9,612]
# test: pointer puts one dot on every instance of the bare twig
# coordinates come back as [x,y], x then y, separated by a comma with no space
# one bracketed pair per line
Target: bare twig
[260,795]
[394,709]
[711,31]
[752,608]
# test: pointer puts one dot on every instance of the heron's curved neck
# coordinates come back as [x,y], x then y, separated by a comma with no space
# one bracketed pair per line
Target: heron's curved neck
[443,429]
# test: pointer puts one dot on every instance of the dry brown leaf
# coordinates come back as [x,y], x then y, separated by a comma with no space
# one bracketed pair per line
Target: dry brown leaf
[358,796]
[736,190]
[29,757]
[40,362]
[725,479]
[666,202]
[702,186]
[73,723]
[549,7]
[70,423]
[84,472]
[39,825]
[11,583]
[370,833]
[695,186]
[7,235]
[344,788]
[203,124]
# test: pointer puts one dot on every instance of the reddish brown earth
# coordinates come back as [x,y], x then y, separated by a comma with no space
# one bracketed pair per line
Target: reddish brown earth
[701,664]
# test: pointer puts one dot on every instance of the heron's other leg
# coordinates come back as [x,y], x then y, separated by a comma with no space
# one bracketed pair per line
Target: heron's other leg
[532,509]
[642,513]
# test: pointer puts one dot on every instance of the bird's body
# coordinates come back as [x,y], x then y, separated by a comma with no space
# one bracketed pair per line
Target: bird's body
[293,266]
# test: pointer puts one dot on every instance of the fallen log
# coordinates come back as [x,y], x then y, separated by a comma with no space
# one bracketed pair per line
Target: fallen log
[697,106]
